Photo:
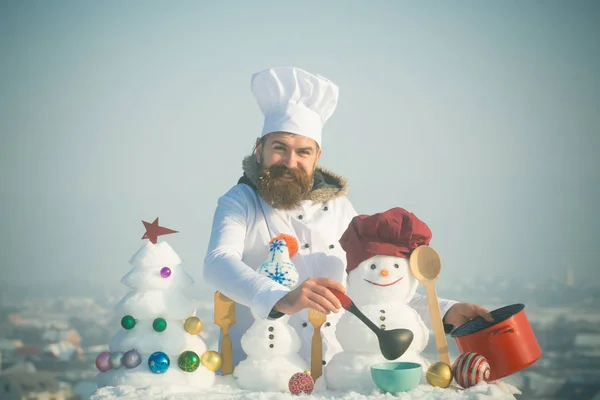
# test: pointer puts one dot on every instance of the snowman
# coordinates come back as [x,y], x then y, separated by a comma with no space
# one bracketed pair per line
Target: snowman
[272,346]
[381,285]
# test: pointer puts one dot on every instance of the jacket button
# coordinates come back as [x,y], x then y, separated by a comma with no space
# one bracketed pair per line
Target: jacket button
[300,216]
[325,208]
[331,246]
[324,362]
[306,246]
[382,326]
[327,323]
[304,324]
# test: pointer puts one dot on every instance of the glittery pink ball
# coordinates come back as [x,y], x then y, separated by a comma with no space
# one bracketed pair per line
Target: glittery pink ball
[165,272]
[103,361]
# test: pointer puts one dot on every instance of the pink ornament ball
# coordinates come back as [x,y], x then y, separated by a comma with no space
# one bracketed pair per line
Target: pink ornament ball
[301,382]
[470,369]
[165,272]
[103,361]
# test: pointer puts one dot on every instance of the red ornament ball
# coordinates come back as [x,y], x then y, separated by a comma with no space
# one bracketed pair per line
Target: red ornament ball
[470,369]
[301,382]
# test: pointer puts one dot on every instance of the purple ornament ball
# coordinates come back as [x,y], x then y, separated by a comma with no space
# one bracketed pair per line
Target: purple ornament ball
[165,272]
[103,361]
[132,359]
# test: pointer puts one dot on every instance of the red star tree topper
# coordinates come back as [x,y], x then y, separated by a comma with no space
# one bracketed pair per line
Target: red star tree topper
[153,231]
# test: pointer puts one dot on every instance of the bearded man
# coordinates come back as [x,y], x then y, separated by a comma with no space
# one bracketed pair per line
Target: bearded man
[284,191]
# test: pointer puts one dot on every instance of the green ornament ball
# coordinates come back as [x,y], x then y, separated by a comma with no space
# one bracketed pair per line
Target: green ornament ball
[128,322]
[159,324]
[188,361]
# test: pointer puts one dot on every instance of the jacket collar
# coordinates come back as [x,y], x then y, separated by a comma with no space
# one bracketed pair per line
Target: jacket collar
[326,186]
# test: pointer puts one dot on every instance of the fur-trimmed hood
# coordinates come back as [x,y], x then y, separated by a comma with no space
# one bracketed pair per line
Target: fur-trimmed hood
[327,185]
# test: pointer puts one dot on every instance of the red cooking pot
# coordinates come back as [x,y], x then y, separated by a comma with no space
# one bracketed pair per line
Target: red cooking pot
[508,343]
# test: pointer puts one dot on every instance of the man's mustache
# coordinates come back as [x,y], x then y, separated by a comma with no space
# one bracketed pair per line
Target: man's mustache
[279,171]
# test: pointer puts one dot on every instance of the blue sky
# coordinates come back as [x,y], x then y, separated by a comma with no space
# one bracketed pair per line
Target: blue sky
[480,117]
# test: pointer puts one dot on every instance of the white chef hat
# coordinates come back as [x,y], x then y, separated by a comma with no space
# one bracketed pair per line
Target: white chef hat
[295,101]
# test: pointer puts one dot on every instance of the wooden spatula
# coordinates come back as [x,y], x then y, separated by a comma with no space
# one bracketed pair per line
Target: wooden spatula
[224,318]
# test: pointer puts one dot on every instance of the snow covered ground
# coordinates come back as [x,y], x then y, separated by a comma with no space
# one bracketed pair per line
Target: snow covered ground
[226,389]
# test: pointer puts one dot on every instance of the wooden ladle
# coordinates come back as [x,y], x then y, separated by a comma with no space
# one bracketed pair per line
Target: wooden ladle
[426,265]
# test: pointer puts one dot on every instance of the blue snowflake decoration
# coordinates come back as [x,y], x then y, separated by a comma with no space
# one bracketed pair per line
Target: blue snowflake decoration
[278,246]
[278,267]
[281,272]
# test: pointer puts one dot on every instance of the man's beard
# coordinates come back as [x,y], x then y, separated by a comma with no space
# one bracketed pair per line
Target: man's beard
[284,194]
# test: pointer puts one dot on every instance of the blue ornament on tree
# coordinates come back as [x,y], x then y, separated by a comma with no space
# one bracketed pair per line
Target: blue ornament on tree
[158,362]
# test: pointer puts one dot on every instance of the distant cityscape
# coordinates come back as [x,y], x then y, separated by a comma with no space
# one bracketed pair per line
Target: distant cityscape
[49,341]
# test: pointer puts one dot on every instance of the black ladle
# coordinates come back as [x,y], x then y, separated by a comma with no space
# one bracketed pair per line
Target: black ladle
[392,343]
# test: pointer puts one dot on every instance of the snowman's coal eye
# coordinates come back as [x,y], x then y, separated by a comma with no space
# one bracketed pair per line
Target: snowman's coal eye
[373,266]
[396,266]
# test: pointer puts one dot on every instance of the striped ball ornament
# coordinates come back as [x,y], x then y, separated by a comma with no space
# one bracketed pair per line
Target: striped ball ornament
[470,369]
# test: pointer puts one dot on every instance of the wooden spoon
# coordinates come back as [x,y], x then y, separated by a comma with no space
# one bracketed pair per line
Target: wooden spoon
[426,265]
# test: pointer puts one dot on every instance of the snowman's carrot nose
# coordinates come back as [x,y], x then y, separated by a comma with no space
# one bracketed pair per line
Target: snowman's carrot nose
[384,272]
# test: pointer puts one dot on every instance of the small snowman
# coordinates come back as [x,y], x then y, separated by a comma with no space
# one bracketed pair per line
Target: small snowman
[272,346]
[381,285]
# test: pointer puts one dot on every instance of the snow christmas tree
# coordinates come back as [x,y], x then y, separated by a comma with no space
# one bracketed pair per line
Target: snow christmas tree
[158,343]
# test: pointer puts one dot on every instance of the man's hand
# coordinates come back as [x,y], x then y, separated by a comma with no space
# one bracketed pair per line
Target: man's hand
[312,293]
[461,313]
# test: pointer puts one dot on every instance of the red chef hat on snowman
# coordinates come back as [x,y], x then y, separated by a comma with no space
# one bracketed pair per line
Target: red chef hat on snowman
[395,232]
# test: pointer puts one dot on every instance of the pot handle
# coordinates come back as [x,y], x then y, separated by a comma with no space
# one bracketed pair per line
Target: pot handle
[501,331]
